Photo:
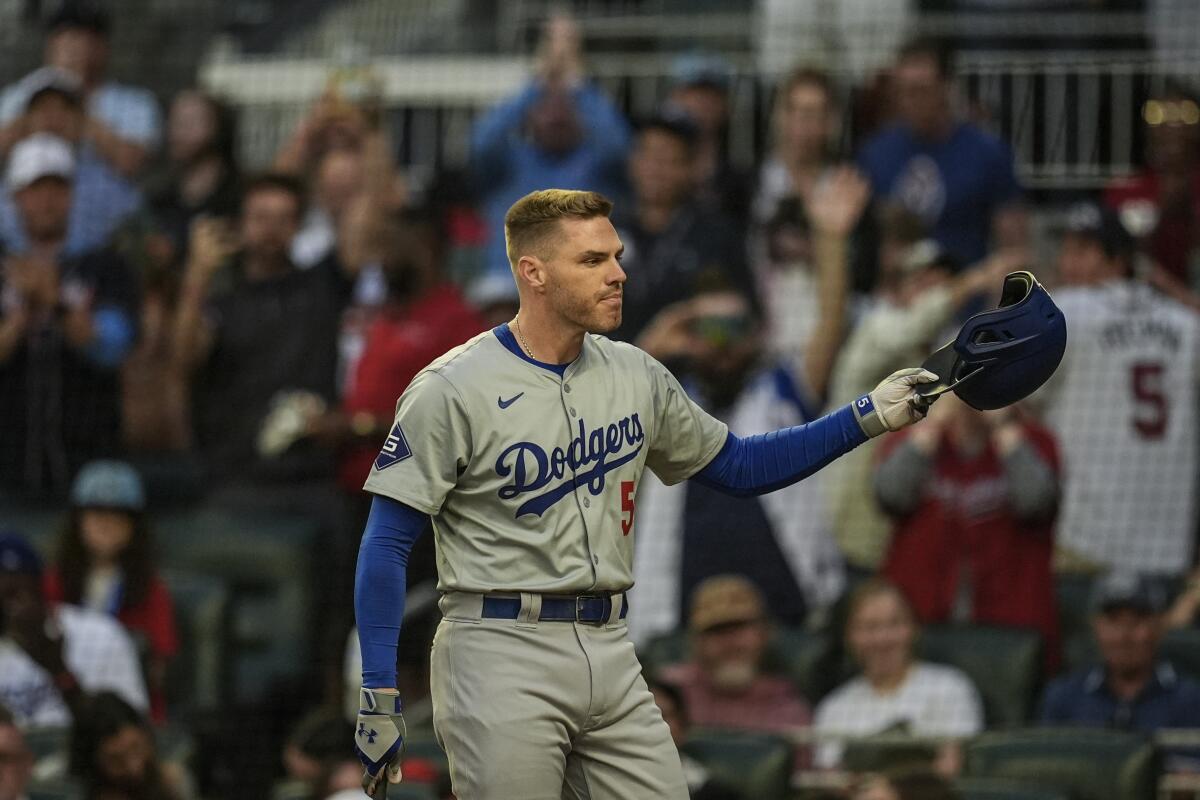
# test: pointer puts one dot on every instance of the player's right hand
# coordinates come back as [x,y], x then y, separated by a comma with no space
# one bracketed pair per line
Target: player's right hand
[379,740]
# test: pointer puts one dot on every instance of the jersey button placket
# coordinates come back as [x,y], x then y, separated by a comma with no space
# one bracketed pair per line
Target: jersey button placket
[587,501]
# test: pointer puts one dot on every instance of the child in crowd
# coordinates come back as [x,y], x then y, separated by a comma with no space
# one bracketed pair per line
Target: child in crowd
[105,562]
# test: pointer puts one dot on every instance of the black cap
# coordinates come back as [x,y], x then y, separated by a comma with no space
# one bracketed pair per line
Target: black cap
[674,122]
[85,14]
[1103,226]
[1119,589]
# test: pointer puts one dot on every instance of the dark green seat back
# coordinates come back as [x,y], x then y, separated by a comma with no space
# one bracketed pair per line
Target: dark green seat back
[1084,763]
[997,789]
[1003,663]
[759,765]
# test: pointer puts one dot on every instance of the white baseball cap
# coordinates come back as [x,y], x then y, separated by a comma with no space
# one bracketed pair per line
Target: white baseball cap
[39,156]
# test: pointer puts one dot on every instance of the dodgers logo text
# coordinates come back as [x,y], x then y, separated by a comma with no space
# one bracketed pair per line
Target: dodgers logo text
[590,456]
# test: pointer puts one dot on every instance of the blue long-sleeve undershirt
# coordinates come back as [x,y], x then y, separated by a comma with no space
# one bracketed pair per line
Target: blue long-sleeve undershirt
[753,465]
[380,583]
[744,466]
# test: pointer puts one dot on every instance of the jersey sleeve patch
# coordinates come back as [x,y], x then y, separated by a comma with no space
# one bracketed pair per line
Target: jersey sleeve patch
[395,449]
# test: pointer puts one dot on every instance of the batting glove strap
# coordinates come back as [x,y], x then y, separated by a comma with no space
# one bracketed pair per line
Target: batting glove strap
[890,406]
[868,417]
[379,734]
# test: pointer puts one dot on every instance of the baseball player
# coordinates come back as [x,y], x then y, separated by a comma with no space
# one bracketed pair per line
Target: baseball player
[1123,404]
[525,447]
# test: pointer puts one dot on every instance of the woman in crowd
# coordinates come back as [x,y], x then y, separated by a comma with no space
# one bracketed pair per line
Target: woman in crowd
[113,755]
[106,563]
[200,175]
[895,692]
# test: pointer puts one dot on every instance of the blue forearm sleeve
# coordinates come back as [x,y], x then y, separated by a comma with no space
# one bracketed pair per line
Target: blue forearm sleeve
[380,583]
[759,464]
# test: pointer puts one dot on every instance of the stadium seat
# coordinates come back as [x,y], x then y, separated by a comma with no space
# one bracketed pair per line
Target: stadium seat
[887,752]
[662,650]
[802,656]
[196,676]
[291,790]
[995,789]
[45,742]
[39,524]
[54,791]
[266,561]
[1084,763]
[1004,664]
[759,765]
[1182,648]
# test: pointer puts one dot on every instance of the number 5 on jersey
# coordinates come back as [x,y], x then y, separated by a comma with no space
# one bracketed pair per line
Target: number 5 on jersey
[626,507]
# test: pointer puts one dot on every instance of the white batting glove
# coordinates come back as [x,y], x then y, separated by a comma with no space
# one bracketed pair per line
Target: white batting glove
[379,740]
[893,404]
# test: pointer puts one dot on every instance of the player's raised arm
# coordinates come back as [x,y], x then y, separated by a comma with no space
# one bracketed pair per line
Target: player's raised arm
[759,464]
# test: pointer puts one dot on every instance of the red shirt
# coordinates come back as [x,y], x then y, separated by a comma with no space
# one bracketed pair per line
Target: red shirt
[399,344]
[772,704]
[963,518]
[1174,238]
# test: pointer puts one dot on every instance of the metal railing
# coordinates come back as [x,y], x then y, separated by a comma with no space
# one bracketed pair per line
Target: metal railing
[1072,121]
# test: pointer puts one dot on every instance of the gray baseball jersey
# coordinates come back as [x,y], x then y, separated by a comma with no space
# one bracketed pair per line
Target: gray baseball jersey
[531,477]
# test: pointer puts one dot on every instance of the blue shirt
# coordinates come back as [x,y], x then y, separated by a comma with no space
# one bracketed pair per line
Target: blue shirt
[100,201]
[508,166]
[1169,700]
[956,185]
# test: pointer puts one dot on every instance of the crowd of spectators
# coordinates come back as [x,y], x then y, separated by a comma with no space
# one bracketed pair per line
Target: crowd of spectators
[174,324]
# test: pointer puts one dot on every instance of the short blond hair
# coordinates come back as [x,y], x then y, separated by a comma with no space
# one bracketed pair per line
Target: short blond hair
[531,220]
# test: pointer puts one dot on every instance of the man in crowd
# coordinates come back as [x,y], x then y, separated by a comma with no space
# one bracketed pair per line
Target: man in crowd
[781,541]
[51,657]
[559,131]
[1123,404]
[701,90]
[102,199]
[960,180]
[1131,687]
[973,500]
[723,683]
[674,246]
[258,335]
[123,123]
[67,321]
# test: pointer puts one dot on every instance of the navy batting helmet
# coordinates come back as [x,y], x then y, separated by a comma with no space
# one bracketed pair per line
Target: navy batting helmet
[1004,355]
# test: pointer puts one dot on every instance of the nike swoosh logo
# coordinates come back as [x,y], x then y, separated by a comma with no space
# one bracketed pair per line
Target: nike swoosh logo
[509,401]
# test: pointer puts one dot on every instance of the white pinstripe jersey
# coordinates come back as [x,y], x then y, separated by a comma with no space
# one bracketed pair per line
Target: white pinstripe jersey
[531,478]
[1123,404]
